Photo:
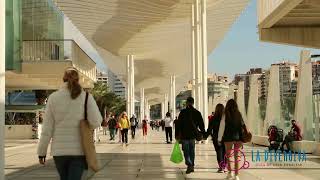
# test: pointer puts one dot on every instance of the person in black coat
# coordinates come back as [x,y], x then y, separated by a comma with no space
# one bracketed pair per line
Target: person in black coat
[187,127]
[213,130]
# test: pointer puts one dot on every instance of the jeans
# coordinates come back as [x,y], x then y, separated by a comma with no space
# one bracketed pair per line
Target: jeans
[220,151]
[112,134]
[133,131]
[287,141]
[188,148]
[168,133]
[124,134]
[70,167]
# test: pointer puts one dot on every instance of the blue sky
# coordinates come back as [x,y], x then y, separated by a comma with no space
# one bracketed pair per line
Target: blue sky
[241,49]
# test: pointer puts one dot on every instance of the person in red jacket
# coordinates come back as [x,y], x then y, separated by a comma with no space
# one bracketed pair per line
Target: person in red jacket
[293,135]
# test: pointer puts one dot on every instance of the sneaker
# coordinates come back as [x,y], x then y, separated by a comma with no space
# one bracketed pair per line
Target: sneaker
[220,170]
[236,177]
[189,170]
[229,176]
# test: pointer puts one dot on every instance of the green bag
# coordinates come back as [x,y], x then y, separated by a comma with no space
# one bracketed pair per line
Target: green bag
[176,155]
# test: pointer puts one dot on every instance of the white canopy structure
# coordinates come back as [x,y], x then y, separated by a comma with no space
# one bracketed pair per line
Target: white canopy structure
[156,32]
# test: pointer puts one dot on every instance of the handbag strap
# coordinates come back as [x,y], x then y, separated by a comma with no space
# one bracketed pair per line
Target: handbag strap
[86,107]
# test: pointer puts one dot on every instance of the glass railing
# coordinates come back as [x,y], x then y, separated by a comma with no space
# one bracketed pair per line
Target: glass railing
[59,51]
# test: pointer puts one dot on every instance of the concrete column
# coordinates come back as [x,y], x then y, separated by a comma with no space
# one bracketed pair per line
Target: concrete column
[132,85]
[193,52]
[142,113]
[204,62]
[316,101]
[231,91]
[170,95]
[2,84]
[166,103]
[273,111]
[162,111]
[303,108]
[240,101]
[173,107]
[254,119]
[129,90]
[147,110]
[198,66]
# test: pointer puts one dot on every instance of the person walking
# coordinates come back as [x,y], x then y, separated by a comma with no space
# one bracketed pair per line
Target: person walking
[118,131]
[213,130]
[124,125]
[134,123]
[104,124]
[112,123]
[162,124]
[188,125]
[64,111]
[230,132]
[168,121]
[145,127]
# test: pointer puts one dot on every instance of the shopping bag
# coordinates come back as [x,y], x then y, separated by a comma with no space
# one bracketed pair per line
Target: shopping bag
[87,140]
[176,155]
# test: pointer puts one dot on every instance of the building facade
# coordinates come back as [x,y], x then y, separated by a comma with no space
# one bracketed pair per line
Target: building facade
[116,85]
[102,77]
[36,52]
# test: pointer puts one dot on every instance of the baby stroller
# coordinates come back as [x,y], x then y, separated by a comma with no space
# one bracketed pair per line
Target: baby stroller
[275,137]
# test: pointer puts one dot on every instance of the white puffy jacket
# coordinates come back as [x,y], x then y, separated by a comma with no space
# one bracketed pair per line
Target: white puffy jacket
[62,120]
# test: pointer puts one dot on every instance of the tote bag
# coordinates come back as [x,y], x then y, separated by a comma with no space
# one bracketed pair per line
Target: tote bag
[86,133]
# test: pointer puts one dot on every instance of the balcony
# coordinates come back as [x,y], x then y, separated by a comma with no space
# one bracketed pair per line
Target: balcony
[43,64]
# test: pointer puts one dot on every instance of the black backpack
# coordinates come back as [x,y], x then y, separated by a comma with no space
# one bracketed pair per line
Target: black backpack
[112,123]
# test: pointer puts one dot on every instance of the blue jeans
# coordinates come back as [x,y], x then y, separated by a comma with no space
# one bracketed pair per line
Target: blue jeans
[70,167]
[112,133]
[188,148]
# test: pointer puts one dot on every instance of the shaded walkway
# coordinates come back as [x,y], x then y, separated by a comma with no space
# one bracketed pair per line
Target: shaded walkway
[150,160]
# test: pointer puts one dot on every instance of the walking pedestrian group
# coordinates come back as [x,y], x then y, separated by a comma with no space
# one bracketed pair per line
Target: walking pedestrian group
[67,107]
[226,127]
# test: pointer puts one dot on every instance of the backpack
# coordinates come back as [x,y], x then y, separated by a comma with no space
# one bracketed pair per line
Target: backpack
[133,121]
[112,123]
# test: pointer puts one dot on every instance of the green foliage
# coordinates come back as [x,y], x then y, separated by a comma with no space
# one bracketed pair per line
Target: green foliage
[107,100]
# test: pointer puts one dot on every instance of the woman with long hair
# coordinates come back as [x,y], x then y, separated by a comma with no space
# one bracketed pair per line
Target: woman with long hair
[213,130]
[230,132]
[64,111]
[124,125]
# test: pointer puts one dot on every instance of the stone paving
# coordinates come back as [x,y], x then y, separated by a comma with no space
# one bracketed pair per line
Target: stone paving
[149,159]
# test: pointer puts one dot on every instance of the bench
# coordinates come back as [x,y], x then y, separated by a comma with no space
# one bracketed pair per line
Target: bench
[260,140]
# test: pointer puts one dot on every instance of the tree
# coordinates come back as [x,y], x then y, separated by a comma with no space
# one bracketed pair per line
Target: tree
[107,101]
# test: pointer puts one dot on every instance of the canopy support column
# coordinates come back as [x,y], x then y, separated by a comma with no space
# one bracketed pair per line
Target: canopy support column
[2,84]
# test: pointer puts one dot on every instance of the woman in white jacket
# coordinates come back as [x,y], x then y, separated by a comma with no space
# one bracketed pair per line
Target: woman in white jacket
[168,127]
[64,110]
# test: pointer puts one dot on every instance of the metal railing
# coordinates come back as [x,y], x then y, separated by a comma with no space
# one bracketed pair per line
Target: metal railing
[59,51]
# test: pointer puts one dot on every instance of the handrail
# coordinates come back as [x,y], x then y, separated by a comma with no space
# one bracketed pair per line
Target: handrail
[62,41]
[58,50]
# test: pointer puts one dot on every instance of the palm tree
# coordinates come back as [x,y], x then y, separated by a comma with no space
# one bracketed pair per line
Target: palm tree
[107,101]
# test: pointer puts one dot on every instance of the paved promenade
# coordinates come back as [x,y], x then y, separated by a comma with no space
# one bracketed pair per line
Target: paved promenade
[150,160]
